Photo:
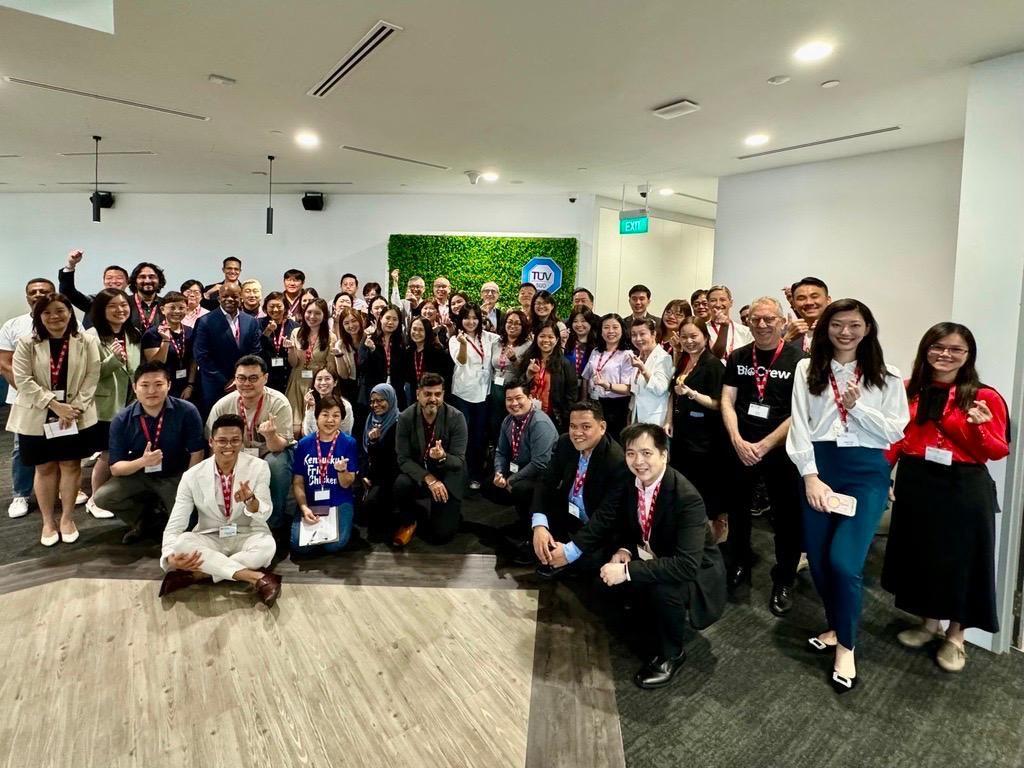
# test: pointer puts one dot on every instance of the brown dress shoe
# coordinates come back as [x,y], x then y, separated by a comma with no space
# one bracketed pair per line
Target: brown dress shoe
[268,588]
[404,535]
[175,580]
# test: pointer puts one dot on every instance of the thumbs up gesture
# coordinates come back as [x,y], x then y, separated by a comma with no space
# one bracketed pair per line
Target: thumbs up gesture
[436,451]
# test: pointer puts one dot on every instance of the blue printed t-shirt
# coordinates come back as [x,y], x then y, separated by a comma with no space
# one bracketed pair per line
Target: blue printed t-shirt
[305,464]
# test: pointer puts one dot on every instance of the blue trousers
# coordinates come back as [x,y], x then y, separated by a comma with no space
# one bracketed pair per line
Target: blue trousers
[837,546]
[22,477]
[281,488]
[476,426]
[345,515]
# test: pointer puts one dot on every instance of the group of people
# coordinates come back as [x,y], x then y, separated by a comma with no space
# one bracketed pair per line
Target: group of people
[230,425]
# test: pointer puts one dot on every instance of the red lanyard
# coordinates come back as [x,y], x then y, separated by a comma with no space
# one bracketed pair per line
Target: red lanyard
[177,349]
[581,478]
[55,367]
[644,513]
[279,336]
[516,435]
[504,358]
[294,305]
[146,320]
[843,412]
[761,379]
[479,350]
[428,437]
[250,430]
[153,440]
[579,359]
[320,463]
[417,357]
[730,338]
[386,344]
[602,361]
[542,376]
[226,481]
[308,351]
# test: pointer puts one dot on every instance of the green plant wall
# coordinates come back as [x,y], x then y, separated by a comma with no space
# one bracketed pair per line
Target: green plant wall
[468,261]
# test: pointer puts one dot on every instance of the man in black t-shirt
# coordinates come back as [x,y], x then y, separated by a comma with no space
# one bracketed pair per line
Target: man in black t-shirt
[756,396]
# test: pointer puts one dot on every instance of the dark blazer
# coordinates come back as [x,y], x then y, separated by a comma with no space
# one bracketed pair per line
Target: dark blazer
[373,370]
[450,429]
[277,377]
[435,359]
[607,481]
[215,351]
[79,300]
[684,547]
[381,461]
[137,320]
[564,388]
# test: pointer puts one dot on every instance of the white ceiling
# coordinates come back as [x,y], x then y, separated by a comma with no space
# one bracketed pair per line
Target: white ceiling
[535,90]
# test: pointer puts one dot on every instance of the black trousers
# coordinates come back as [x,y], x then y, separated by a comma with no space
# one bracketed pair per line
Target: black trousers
[783,483]
[438,522]
[520,495]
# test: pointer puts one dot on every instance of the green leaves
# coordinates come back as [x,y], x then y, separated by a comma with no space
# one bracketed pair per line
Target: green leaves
[469,261]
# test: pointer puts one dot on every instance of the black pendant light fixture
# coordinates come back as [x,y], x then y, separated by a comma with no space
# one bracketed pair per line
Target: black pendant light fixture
[270,197]
[96,183]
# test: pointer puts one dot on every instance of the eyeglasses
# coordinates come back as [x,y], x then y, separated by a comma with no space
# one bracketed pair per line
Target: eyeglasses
[224,442]
[239,379]
[939,349]
[762,319]
[700,303]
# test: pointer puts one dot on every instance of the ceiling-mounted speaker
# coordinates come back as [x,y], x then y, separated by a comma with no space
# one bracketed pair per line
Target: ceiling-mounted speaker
[104,199]
[313,201]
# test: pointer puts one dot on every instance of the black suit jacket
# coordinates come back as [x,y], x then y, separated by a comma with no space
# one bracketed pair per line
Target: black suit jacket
[450,429]
[607,480]
[563,389]
[215,351]
[79,300]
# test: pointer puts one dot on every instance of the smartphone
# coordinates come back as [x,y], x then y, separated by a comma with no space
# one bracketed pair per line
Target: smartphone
[841,504]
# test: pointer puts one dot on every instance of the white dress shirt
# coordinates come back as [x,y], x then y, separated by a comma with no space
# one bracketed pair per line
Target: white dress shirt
[11,331]
[877,419]
[472,380]
[650,397]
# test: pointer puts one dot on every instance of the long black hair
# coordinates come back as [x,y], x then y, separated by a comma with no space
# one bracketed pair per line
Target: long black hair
[98,315]
[966,382]
[40,306]
[623,342]
[595,329]
[323,339]
[870,359]
[460,318]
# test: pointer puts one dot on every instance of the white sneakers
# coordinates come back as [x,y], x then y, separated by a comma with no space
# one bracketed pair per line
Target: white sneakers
[18,507]
[97,512]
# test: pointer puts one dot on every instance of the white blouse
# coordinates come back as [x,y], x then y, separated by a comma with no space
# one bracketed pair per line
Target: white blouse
[650,398]
[876,420]
[472,380]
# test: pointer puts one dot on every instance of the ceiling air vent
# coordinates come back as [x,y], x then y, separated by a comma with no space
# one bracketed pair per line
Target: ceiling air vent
[820,142]
[676,109]
[378,33]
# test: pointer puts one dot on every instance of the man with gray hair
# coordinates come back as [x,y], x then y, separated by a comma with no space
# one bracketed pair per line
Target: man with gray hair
[725,335]
[756,394]
[489,292]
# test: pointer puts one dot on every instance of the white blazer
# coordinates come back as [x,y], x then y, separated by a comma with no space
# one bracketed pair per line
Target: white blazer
[650,398]
[199,490]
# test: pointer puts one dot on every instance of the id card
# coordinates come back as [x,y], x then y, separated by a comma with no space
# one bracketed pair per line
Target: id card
[52,429]
[154,468]
[277,362]
[758,411]
[841,504]
[513,467]
[938,455]
[574,510]
[499,380]
[322,495]
[180,373]
[58,395]
[696,414]
[847,440]
[307,374]
[644,551]
[227,531]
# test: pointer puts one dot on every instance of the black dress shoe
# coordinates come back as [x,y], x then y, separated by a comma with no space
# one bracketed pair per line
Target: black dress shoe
[739,574]
[781,601]
[659,671]
[841,684]
[550,571]
[175,580]
[524,554]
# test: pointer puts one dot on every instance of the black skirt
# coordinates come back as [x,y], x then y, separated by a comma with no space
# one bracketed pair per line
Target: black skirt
[36,449]
[940,559]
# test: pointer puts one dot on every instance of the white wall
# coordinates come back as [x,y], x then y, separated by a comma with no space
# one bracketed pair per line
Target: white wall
[188,235]
[881,228]
[672,259]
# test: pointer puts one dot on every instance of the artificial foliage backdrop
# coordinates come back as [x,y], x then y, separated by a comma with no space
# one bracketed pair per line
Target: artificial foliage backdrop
[468,261]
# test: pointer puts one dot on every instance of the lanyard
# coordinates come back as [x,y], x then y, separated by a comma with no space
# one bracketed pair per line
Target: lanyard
[417,358]
[843,412]
[55,367]
[278,338]
[321,463]
[294,305]
[146,320]
[730,338]
[579,359]
[226,481]
[581,478]
[308,351]
[386,345]
[250,430]
[153,440]
[761,373]
[602,361]
[479,350]
[178,349]
[516,435]
[506,355]
[428,437]
[645,513]
[542,376]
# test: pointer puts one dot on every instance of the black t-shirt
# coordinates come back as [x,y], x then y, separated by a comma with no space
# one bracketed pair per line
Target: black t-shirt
[739,373]
[695,428]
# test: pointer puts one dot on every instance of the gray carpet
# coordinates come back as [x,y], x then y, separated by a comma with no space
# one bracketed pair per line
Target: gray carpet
[749,695]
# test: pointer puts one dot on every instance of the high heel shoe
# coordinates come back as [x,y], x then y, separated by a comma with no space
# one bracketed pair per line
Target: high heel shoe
[49,541]
[842,684]
[817,645]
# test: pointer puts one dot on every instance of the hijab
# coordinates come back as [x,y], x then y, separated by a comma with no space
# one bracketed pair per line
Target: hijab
[385,421]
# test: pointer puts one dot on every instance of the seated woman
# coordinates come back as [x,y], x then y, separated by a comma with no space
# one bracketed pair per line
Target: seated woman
[325,382]
[380,464]
[322,475]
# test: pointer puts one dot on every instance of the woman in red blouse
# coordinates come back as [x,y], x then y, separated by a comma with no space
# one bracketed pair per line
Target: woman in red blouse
[939,562]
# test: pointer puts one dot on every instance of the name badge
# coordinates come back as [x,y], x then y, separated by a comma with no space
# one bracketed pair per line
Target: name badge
[499,380]
[227,531]
[277,362]
[52,429]
[154,468]
[574,510]
[847,440]
[696,414]
[513,467]
[644,551]
[307,374]
[180,373]
[323,495]
[252,452]
[938,455]
[59,395]
[758,411]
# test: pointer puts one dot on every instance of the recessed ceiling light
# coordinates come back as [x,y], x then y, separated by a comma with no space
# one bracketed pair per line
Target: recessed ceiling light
[307,139]
[815,51]
[666,191]
[830,84]
[778,79]
[756,139]
[489,176]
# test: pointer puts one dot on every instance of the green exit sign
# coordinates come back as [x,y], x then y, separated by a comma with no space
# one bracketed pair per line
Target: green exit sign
[636,225]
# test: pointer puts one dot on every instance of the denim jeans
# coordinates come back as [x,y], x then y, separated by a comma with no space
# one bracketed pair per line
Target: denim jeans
[21,476]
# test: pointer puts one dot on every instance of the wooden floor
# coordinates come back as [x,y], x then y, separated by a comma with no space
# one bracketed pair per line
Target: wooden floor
[331,676]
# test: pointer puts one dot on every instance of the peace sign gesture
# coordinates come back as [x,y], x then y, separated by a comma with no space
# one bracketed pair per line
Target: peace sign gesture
[979,413]
[244,492]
